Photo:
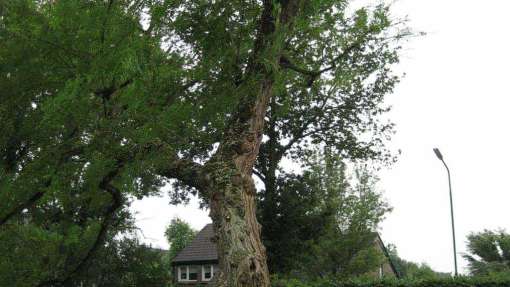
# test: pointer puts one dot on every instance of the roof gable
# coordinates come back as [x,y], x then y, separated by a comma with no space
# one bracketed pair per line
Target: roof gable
[386,254]
[201,249]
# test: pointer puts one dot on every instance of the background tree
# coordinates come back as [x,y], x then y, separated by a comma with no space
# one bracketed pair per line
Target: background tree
[178,234]
[489,252]
[108,100]
[329,221]
[126,262]
[341,111]
[408,269]
[346,246]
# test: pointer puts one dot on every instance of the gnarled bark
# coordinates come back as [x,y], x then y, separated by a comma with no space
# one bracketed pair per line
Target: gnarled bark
[232,202]
[241,253]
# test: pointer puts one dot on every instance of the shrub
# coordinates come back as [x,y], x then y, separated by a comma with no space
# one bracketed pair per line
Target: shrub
[502,280]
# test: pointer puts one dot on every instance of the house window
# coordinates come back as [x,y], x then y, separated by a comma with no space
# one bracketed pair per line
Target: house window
[207,272]
[188,273]
[183,273]
[192,273]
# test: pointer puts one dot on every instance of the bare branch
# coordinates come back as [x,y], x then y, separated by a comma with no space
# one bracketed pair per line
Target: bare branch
[259,174]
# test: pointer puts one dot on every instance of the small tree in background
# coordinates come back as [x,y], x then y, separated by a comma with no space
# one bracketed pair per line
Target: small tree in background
[179,234]
[345,247]
[489,252]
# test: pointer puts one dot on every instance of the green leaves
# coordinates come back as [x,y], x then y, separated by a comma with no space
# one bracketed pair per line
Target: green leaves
[92,90]
[28,252]
[126,262]
[493,281]
[321,222]
[489,252]
[179,234]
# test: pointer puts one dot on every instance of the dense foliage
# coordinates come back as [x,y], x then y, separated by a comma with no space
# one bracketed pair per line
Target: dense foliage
[493,281]
[65,179]
[329,221]
[342,111]
[126,262]
[117,262]
[104,101]
[178,234]
[489,252]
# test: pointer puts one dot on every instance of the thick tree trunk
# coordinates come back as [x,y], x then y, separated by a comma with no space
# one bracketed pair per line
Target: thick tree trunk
[232,198]
[241,252]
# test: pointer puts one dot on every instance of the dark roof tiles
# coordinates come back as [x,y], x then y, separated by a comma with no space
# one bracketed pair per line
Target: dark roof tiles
[202,248]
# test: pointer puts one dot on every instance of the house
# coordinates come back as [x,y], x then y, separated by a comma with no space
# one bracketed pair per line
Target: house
[197,263]
[387,268]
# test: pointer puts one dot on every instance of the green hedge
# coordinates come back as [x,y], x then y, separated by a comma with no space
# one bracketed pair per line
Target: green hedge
[493,281]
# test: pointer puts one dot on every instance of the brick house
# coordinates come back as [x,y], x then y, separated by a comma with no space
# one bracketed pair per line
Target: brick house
[197,263]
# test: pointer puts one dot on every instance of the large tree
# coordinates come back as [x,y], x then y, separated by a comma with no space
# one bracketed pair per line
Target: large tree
[107,100]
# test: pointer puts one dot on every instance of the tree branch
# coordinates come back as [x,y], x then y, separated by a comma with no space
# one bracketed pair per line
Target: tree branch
[106,93]
[286,63]
[259,174]
[24,205]
[109,216]
[32,200]
[186,171]
[290,8]
[105,20]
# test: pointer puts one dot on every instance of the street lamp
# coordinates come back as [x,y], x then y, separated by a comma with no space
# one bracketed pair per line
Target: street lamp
[440,157]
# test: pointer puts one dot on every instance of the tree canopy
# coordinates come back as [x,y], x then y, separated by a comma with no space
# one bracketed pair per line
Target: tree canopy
[325,222]
[106,101]
[126,262]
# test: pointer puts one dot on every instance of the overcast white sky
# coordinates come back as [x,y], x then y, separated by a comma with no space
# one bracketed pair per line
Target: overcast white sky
[455,97]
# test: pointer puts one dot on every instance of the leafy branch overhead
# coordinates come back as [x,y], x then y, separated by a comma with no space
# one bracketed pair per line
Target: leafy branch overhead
[107,101]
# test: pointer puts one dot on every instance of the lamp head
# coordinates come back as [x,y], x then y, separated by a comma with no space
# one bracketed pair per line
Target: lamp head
[438,153]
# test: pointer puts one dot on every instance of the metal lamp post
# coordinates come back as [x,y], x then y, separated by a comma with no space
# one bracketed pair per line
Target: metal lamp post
[440,157]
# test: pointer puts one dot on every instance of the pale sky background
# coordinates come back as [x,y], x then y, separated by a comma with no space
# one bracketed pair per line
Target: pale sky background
[455,97]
